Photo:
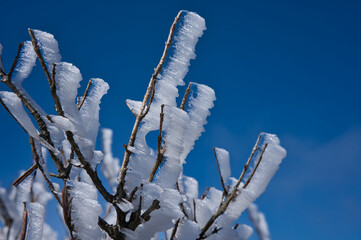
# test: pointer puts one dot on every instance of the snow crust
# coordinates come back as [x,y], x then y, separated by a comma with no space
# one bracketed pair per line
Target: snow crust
[36,213]
[25,64]
[85,210]
[49,48]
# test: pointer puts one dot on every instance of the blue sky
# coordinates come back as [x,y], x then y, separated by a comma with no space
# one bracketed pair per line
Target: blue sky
[285,67]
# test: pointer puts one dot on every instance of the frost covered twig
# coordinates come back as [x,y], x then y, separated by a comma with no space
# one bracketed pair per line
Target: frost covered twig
[185,97]
[85,94]
[233,194]
[26,174]
[148,95]
[160,150]
[41,168]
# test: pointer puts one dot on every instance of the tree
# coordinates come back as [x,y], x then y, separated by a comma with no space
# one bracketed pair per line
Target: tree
[148,193]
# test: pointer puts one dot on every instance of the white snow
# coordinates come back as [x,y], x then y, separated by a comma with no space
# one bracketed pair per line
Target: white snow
[35,217]
[14,105]
[25,63]
[110,165]
[48,47]
[259,222]
[85,210]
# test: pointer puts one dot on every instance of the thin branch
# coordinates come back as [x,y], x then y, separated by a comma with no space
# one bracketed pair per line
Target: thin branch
[146,215]
[131,195]
[225,189]
[181,205]
[24,224]
[131,109]
[194,211]
[165,235]
[85,94]
[86,165]
[205,193]
[37,160]
[25,175]
[255,168]
[185,97]
[160,151]
[148,95]
[174,231]
[15,60]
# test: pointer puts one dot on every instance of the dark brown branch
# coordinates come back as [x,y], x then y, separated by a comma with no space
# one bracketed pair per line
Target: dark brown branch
[15,60]
[24,224]
[85,94]
[160,151]
[174,231]
[146,215]
[42,170]
[185,97]
[148,95]
[225,189]
[194,210]
[25,175]
[131,195]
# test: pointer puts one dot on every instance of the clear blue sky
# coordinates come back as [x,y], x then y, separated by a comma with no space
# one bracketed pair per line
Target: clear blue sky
[285,67]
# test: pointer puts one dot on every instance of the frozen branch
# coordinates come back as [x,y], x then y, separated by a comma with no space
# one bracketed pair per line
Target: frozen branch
[148,95]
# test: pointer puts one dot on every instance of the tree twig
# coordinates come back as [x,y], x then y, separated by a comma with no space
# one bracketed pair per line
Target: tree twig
[85,94]
[25,175]
[174,231]
[148,95]
[42,170]
[15,60]
[160,151]
[185,97]
[225,189]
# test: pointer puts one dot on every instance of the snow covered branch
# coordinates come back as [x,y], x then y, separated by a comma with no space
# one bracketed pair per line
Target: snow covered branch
[146,195]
